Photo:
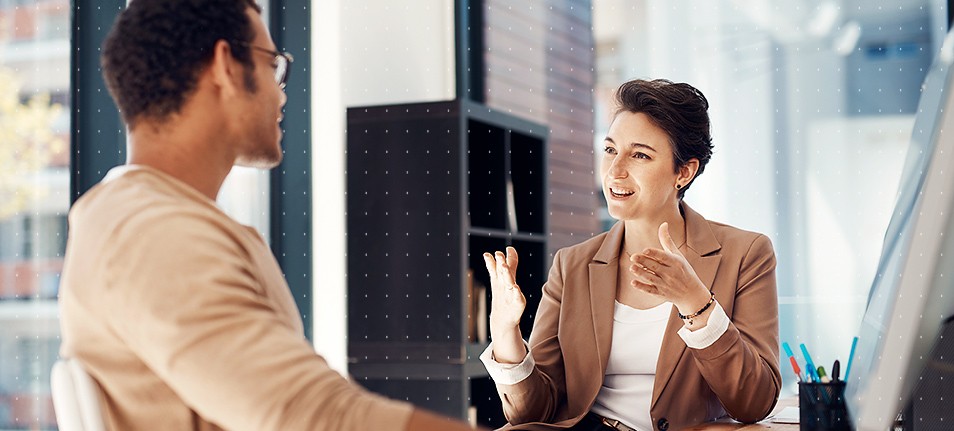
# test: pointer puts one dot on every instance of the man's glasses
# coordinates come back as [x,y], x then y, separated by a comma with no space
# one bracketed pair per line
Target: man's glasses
[281,62]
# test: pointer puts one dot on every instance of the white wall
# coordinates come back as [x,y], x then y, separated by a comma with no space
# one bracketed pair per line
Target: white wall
[396,52]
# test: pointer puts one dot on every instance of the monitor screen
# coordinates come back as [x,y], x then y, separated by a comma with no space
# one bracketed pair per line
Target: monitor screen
[913,290]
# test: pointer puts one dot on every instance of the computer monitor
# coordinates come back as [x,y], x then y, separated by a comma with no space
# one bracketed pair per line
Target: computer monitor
[913,292]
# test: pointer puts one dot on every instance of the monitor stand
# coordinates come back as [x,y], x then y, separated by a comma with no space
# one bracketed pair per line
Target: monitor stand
[931,406]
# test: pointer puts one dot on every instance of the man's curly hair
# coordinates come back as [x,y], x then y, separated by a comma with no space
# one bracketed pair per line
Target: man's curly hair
[680,110]
[156,49]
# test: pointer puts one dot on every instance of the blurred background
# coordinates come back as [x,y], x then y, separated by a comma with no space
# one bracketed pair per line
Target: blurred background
[812,102]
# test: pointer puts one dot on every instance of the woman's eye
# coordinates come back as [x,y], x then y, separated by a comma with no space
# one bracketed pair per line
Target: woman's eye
[640,155]
[609,150]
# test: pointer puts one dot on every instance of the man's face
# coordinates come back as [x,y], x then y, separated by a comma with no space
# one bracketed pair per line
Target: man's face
[262,109]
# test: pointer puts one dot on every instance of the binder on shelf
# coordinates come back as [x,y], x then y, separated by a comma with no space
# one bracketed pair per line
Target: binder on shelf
[481,313]
[472,416]
[471,308]
[477,318]
[511,207]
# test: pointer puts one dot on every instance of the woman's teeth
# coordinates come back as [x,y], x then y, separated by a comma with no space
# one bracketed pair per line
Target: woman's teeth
[621,193]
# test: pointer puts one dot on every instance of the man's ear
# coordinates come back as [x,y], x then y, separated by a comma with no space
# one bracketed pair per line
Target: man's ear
[688,171]
[224,69]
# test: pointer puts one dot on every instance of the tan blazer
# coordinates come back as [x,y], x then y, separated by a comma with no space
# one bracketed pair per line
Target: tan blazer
[570,342]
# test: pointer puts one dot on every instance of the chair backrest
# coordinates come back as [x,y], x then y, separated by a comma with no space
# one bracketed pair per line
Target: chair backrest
[75,397]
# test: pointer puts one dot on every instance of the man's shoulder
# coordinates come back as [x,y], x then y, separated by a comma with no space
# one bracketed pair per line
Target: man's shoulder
[138,202]
[125,191]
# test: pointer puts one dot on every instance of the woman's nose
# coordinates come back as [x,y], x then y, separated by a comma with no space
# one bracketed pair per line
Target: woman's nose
[616,169]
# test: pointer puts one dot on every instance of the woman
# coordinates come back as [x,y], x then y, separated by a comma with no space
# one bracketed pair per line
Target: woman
[665,321]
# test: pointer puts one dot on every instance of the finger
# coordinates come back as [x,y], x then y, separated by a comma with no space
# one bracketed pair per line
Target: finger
[648,288]
[648,263]
[665,239]
[663,257]
[503,272]
[644,276]
[512,258]
[491,265]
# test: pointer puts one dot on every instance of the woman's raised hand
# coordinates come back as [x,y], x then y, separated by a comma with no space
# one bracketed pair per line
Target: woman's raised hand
[507,301]
[666,272]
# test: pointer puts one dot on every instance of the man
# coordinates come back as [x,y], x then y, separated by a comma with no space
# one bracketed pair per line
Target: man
[180,313]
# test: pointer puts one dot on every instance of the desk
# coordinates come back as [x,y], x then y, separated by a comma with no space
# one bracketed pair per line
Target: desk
[729,425]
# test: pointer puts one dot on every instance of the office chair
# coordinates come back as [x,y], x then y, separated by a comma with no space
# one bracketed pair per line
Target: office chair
[75,397]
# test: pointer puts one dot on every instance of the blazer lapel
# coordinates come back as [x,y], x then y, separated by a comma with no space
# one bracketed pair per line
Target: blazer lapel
[701,246]
[602,277]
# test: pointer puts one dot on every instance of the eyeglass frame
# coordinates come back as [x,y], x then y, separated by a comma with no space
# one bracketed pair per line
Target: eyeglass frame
[280,58]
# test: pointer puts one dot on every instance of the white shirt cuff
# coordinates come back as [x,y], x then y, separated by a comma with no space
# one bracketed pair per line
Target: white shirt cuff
[704,337]
[507,374]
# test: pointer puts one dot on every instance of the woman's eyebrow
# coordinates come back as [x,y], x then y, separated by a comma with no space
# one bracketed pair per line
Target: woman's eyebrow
[633,144]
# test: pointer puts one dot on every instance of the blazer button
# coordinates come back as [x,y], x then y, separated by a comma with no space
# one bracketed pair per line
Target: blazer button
[662,424]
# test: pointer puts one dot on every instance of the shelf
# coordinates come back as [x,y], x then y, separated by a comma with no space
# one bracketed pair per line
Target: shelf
[527,173]
[497,233]
[486,175]
[474,368]
[431,187]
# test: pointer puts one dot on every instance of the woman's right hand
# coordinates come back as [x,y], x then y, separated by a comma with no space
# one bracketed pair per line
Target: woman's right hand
[506,301]
[506,307]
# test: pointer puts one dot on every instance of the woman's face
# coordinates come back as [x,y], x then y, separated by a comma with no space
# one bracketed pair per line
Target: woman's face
[637,169]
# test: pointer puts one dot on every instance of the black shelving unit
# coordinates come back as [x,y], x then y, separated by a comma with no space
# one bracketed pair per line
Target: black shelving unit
[431,186]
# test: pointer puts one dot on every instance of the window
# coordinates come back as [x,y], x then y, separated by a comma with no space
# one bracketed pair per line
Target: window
[812,106]
[245,193]
[34,200]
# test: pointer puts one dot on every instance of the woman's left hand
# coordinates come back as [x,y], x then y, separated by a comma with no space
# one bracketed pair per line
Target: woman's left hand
[667,273]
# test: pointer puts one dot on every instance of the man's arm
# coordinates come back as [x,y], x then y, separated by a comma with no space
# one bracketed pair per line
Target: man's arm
[189,303]
[422,420]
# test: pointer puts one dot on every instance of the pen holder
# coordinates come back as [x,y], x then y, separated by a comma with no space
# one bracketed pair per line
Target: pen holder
[821,407]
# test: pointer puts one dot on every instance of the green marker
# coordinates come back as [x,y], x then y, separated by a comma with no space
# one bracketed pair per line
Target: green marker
[822,375]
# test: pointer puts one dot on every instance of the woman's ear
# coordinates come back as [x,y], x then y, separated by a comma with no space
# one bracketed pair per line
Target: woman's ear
[687,172]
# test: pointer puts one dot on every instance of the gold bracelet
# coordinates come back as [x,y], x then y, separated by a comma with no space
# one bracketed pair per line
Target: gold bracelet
[701,310]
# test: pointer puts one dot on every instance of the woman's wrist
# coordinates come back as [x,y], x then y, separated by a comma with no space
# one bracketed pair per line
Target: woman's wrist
[698,317]
[508,345]
[693,305]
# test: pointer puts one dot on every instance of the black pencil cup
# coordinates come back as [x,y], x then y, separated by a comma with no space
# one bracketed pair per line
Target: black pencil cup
[821,407]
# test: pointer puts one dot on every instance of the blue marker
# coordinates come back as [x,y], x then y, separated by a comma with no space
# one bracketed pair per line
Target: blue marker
[810,368]
[851,356]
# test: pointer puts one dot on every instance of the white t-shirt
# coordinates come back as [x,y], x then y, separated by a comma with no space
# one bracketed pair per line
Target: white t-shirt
[627,389]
